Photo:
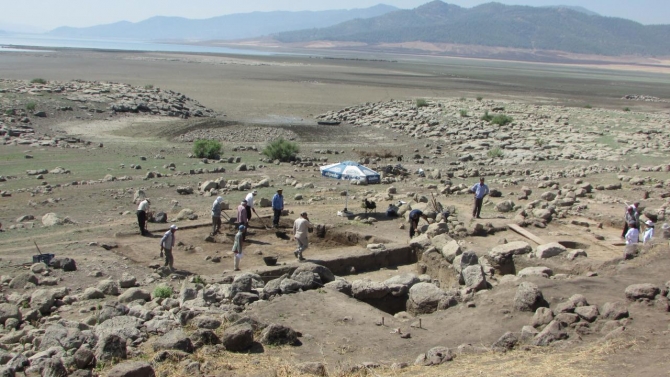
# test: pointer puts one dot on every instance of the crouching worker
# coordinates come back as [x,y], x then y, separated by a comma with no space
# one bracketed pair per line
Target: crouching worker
[392,211]
[414,218]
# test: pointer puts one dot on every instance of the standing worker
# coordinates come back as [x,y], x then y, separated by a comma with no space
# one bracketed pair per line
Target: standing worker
[300,230]
[167,243]
[630,219]
[633,234]
[480,190]
[142,210]
[242,216]
[216,215]
[414,218]
[277,207]
[237,247]
[250,204]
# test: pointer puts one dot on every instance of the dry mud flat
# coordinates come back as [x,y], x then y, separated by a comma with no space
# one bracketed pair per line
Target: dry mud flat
[464,297]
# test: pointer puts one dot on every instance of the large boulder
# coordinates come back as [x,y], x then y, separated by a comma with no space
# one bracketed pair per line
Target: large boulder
[8,311]
[132,369]
[42,300]
[505,206]
[514,248]
[434,356]
[20,280]
[451,250]
[238,338]
[550,250]
[427,298]
[132,294]
[51,219]
[174,340]
[273,287]
[324,273]
[474,277]
[642,291]
[554,331]
[111,347]
[54,367]
[109,287]
[368,289]
[406,280]
[277,335]
[544,272]
[339,285]
[614,310]
[308,280]
[529,297]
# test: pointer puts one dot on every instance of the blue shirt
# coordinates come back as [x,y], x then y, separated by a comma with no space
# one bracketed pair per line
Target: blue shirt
[415,214]
[278,202]
[480,190]
[216,209]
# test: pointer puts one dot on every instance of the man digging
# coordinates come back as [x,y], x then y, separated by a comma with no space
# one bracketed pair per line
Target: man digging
[250,204]
[142,210]
[216,215]
[300,230]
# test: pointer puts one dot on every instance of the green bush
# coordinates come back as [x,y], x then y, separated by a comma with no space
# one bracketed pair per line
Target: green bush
[487,117]
[421,102]
[10,112]
[149,86]
[207,148]
[479,98]
[502,120]
[626,109]
[282,150]
[163,291]
[464,113]
[197,279]
[495,152]
[31,106]
[38,81]
[588,106]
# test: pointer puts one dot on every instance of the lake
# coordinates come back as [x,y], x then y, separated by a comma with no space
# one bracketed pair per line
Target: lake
[8,41]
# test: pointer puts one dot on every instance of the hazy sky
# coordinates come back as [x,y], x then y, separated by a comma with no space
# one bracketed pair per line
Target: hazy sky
[49,14]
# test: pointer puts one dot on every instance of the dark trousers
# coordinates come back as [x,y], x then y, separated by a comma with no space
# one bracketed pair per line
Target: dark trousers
[412,227]
[142,221]
[216,224]
[275,218]
[169,260]
[478,207]
[248,213]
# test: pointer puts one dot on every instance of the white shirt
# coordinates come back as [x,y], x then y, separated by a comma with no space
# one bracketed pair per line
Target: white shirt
[250,200]
[144,206]
[632,236]
[648,235]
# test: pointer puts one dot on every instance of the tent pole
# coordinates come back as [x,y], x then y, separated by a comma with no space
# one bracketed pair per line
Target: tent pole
[346,199]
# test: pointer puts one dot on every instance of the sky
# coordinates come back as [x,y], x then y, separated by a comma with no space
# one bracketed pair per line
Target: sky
[49,14]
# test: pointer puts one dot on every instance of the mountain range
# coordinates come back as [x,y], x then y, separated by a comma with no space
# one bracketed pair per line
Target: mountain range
[228,27]
[497,25]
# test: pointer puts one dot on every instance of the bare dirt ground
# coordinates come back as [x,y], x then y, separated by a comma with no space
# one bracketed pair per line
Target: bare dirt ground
[288,93]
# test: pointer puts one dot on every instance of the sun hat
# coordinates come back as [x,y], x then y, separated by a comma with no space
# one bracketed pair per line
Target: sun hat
[173,227]
[649,223]
[242,227]
[219,199]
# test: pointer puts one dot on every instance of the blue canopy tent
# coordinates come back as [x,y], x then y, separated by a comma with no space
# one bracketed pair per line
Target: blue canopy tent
[349,171]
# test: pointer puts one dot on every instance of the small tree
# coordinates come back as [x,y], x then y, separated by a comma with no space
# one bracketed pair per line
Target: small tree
[207,148]
[421,102]
[479,98]
[626,109]
[282,150]
[38,81]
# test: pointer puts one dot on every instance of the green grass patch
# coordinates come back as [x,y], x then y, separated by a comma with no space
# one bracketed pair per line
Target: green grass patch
[162,291]
[30,106]
[587,106]
[282,150]
[626,109]
[502,120]
[421,102]
[479,98]
[38,81]
[464,113]
[149,86]
[495,152]
[207,149]
[486,117]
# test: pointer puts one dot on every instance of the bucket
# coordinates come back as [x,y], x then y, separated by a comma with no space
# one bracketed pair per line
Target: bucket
[45,258]
[270,261]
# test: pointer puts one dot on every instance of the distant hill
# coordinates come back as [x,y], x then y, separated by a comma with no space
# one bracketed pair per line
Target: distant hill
[575,8]
[497,25]
[233,26]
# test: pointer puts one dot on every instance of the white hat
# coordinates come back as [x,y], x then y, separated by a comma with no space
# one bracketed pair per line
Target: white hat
[649,223]
[219,199]
[173,227]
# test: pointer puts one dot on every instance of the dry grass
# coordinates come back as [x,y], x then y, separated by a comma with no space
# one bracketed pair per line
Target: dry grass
[530,362]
